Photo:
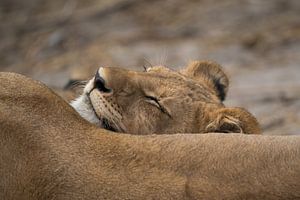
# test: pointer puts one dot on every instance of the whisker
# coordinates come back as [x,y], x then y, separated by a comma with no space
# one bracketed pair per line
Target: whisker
[146,62]
[119,126]
[164,57]
[75,84]
[145,68]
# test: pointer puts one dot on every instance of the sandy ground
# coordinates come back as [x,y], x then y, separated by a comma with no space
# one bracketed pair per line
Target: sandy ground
[257,42]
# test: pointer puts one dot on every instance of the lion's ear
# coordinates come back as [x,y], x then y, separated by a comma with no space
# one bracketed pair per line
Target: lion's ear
[210,72]
[233,120]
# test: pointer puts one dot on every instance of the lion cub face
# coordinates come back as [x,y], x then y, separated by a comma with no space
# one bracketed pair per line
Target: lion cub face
[161,100]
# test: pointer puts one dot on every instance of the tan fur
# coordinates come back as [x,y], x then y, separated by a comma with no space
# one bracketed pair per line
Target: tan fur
[47,151]
[189,101]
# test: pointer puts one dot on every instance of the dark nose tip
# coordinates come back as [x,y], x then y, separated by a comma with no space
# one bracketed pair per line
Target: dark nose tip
[99,83]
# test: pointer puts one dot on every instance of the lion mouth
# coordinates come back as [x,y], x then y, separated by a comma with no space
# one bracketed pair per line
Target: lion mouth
[104,122]
[107,125]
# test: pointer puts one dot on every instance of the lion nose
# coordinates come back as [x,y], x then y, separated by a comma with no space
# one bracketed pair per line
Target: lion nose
[99,83]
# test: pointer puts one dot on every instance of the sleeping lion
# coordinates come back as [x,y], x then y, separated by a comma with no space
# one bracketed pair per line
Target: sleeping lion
[161,100]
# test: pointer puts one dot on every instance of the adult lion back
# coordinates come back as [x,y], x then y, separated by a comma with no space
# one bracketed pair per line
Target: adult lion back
[32,119]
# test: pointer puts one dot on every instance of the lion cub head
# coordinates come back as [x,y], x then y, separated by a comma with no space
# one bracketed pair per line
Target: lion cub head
[161,100]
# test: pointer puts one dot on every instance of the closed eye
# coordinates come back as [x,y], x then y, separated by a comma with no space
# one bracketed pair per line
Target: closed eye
[154,101]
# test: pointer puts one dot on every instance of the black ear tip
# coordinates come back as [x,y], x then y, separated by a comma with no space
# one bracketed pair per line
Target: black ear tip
[212,72]
[222,97]
[221,89]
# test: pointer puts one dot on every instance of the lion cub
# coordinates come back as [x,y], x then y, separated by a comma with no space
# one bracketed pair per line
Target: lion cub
[163,101]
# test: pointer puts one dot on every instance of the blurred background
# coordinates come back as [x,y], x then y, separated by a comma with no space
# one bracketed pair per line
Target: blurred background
[256,41]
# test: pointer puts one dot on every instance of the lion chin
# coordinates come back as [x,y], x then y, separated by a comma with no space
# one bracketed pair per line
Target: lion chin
[83,106]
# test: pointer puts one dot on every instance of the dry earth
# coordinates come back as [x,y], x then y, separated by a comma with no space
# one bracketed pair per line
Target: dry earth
[257,42]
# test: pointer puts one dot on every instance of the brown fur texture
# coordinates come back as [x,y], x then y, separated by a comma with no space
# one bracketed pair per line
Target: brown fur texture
[47,151]
[161,100]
